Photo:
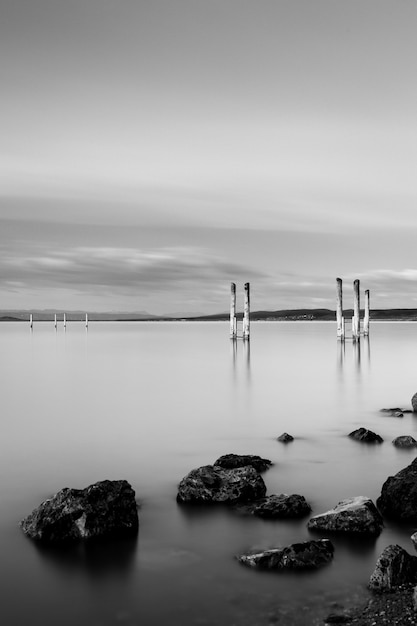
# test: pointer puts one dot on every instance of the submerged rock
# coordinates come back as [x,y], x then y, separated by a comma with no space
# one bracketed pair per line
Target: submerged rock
[211,483]
[231,461]
[354,515]
[414,402]
[398,498]
[393,568]
[404,441]
[285,438]
[104,509]
[280,506]
[396,412]
[304,555]
[368,436]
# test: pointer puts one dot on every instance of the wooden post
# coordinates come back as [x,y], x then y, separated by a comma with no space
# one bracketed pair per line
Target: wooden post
[65,320]
[86,320]
[31,320]
[55,320]
[233,325]
[367,314]
[339,307]
[356,331]
[246,313]
[342,334]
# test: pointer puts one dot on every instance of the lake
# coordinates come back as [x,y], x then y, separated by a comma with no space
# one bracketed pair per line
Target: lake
[148,402]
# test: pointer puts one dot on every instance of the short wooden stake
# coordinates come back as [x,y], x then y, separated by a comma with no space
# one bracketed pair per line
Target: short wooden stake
[367,313]
[55,321]
[65,320]
[31,320]
[86,320]
[356,330]
[246,313]
[233,324]
[339,306]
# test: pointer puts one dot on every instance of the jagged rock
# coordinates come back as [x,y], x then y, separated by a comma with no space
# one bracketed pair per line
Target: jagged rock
[414,402]
[354,515]
[404,441]
[393,568]
[280,506]
[104,509]
[362,434]
[210,484]
[398,498]
[285,438]
[305,555]
[231,461]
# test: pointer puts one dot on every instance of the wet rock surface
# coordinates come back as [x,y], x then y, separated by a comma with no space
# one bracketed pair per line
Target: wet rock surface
[404,441]
[365,435]
[297,556]
[393,568]
[231,461]
[285,438]
[278,506]
[104,509]
[214,484]
[398,499]
[354,515]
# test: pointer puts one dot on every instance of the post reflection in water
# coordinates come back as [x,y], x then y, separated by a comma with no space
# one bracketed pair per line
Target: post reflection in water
[245,356]
[360,350]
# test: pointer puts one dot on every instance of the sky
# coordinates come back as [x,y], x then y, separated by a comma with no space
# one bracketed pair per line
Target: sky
[153,151]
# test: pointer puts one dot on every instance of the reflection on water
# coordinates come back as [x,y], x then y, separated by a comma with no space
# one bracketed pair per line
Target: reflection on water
[148,402]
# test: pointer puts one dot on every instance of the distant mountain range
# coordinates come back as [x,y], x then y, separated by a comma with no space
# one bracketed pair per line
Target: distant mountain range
[322,315]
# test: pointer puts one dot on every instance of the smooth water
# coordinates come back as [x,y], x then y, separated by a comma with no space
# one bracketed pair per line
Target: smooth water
[147,402]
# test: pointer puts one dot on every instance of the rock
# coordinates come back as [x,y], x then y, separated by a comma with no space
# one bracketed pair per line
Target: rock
[362,434]
[414,540]
[305,555]
[404,441]
[230,461]
[339,618]
[414,402]
[210,484]
[393,568]
[396,412]
[415,598]
[280,506]
[354,515]
[398,498]
[285,438]
[104,509]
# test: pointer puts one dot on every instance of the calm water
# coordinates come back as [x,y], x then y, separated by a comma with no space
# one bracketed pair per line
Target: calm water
[149,402]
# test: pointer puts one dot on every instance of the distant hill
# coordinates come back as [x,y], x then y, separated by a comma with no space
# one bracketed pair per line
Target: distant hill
[282,315]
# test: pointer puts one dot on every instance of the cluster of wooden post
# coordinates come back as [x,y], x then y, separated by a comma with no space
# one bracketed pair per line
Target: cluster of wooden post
[356,320]
[246,312]
[56,321]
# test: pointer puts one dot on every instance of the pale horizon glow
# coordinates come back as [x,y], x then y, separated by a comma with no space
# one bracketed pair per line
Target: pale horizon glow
[154,152]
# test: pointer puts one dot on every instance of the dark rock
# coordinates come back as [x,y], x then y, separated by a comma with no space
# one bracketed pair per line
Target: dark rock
[394,567]
[280,506]
[398,498]
[104,509]
[354,515]
[362,434]
[338,618]
[414,540]
[396,411]
[414,402]
[231,461]
[285,438]
[305,555]
[404,441]
[210,484]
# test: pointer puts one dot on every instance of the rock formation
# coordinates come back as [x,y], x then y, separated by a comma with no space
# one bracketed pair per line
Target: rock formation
[354,515]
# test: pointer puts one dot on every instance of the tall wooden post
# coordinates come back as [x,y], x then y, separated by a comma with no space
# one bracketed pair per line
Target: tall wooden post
[339,308]
[367,313]
[246,313]
[356,329]
[233,324]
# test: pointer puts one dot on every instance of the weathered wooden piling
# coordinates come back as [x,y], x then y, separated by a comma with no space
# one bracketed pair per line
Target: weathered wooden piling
[55,323]
[65,320]
[339,308]
[367,313]
[246,313]
[356,323]
[86,320]
[31,320]
[233,321]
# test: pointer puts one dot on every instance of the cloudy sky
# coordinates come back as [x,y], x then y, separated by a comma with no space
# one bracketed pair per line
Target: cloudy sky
[152,151]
